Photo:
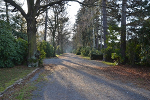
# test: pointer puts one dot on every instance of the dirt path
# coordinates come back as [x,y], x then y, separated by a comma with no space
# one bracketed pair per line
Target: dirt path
[72,78]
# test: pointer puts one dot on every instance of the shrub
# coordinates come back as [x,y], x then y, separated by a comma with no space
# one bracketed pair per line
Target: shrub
[20,35]
[7,45]
[45,49]
[21,51]
[78,51]
[107,53]
[49,50]
[40,47]
[85,51]
[96,54]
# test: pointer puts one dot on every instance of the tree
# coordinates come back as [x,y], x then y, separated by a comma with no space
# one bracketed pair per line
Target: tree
[123,31]
[34,10]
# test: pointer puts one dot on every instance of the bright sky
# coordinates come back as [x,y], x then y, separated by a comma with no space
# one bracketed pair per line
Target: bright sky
[72,11]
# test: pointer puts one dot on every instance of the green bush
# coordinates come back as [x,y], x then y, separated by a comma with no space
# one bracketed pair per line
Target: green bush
[96,54]
[107,53]
[12,51]
[20,35]
[133,51]
[85,51]
[45,49]
[40,47]
[49,50]
[116,56]
[22,50]
[144,36]
[78,51]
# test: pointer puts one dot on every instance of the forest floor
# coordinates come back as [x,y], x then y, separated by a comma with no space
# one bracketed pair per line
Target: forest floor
[70,77]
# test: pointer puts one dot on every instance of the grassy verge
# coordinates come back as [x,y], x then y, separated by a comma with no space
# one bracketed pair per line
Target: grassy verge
[9,75]
[84,57]
[109,63]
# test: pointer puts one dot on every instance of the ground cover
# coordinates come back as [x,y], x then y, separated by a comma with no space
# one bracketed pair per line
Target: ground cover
[9,75]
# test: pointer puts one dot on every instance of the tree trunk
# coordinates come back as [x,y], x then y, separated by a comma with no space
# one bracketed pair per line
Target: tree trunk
[123,31]
[105,26]
[54,53]
[93,37]
[46,17]
[6,4]
[32,48]
[46,25]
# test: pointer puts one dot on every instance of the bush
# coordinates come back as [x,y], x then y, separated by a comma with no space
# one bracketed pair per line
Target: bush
[12,51]
[21,51]
[107,53]
[96,54]
[78,51]
[20,35]
[133,51]
[40,47]
[45,49]
[49,50]
[85,51]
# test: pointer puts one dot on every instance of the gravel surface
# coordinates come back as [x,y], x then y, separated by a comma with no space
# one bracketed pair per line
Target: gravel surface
[72,78]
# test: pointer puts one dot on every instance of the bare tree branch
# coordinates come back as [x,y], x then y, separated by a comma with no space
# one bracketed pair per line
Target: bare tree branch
[17,6]
[60,1]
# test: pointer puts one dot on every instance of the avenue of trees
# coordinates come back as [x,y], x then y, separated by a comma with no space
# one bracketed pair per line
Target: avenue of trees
[27,26]
[117,29]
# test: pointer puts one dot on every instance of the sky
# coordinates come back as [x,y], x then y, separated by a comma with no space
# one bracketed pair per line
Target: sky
[71,9]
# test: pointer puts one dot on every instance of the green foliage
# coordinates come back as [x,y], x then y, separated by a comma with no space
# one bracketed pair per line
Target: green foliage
[133,51]
[49,50]
[95,54]
[20,35]
[40,47]
[7,45]
[21,51]
[46,50]
[12,51]
[85,51]
[144,35]
[78,51]
[107,53]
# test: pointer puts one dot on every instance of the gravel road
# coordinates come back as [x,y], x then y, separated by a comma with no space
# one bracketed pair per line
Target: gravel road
[74,78]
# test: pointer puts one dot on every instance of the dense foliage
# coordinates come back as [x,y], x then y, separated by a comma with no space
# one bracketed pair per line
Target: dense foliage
[45,49]
[126,40]
[12,51]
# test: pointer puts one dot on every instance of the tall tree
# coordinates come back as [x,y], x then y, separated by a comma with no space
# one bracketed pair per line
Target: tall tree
[104,25]
[34,10]
[46,19]
[123,31]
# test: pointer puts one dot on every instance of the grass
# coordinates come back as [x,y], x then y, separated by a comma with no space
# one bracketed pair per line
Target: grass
[109,63]
[10,75]
[25,92]
[88,58]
